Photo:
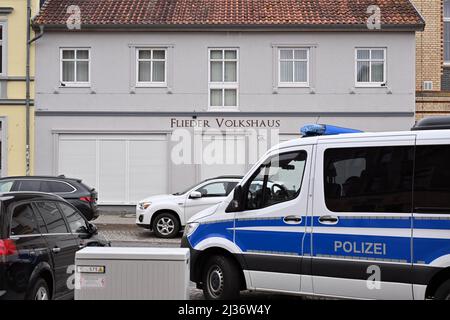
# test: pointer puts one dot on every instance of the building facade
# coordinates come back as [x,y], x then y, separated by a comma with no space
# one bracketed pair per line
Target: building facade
[433,59]
[140,105]
[13,109]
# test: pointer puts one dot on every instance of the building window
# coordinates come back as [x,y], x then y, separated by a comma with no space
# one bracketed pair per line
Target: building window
[151,67]
[370,67]
[223,83]
[75,67]
[2,50]
[293,66]
[447,31]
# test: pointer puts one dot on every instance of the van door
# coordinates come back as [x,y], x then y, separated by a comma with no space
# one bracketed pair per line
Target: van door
[431,233]
[271,227]
[362,215]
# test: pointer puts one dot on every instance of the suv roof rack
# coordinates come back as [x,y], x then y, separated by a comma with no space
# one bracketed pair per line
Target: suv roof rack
[432,123]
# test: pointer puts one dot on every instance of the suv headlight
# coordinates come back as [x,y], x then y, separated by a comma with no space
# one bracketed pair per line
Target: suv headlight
[190,228]
[144,205]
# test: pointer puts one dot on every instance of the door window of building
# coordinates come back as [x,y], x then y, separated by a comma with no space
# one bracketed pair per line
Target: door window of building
[223,78]
[447,31]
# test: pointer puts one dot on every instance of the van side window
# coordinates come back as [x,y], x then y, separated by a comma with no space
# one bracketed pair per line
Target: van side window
[432,179]
[278,180]
[23,221]
[369,179]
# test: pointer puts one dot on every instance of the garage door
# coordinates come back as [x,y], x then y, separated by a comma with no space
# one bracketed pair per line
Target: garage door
[223,155]
[123,168]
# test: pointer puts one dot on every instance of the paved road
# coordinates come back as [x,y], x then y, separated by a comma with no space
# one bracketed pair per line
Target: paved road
[122,232]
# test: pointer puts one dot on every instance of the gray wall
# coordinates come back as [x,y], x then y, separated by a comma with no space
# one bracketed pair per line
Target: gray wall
[112,77]
[332,72]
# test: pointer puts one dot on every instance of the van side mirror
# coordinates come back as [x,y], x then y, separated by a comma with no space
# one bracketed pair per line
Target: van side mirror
[235,204]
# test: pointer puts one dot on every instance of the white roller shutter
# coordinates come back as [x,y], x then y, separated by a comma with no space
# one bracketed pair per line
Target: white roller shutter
[223,155]
[123,168]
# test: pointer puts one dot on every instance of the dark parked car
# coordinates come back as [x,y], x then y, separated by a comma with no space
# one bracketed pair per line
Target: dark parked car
[84,198]
[39,235]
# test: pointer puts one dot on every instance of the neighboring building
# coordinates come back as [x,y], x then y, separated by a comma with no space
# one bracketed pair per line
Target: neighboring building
[433,59]
[114,97]
[13,40]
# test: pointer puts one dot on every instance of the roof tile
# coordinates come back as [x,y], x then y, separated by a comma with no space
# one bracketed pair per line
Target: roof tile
[229,12]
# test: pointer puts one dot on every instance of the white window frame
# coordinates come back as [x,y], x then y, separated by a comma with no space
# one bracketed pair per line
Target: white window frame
[446,20]
[157,84]
[223,85]
[294,84]
[81,84]
[371,84]
[3,43]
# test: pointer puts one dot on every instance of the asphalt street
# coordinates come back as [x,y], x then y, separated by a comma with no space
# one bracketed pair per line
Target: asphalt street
[121,231]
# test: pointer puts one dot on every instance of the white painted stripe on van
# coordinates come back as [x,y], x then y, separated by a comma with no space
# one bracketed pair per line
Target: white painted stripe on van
[383,232]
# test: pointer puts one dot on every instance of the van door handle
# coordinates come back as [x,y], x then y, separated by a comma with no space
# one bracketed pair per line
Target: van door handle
[292,220]
[328,220]
[56,250]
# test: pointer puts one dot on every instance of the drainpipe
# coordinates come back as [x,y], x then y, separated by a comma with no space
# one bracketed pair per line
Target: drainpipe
[28,87]
[27,94]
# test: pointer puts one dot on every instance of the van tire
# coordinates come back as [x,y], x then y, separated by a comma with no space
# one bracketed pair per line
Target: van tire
[39,291]
[170,221]
[443,292]
[221,279]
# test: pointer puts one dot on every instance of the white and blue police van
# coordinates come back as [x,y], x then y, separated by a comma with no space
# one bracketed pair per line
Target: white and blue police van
[336,213]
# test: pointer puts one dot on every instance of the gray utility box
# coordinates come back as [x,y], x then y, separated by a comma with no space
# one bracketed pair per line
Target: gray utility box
[132,274]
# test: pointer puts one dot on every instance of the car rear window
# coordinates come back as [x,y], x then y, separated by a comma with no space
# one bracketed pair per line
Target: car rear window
[57,187]
[44,186]
[29,185]
[23,221]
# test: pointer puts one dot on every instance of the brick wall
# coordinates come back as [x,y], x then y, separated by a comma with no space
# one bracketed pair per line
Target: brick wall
[429,44]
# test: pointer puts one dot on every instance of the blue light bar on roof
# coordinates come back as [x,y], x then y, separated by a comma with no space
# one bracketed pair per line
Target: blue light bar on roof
[312,130]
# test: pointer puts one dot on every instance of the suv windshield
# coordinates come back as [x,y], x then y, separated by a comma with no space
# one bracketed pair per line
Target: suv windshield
[187,190]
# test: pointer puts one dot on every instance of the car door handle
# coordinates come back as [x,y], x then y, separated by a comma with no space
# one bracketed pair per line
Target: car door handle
[292,220]
[328,220]
[56,250]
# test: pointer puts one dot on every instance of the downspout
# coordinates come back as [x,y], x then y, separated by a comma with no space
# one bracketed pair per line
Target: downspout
[28,88]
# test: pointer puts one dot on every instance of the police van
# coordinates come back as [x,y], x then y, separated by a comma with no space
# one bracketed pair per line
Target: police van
[334,213]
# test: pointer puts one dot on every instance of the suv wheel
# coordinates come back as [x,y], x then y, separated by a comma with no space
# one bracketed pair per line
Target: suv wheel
[166,225]
[221,279]
[39,291]
[443,292]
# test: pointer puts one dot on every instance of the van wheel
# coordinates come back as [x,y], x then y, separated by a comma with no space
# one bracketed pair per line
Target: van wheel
[39,291]
[221,279]
[443,292]
[166,225]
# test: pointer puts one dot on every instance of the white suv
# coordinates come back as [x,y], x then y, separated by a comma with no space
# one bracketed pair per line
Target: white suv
[166,214]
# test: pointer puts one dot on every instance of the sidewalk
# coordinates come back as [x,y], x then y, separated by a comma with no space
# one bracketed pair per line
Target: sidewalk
[127,219]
